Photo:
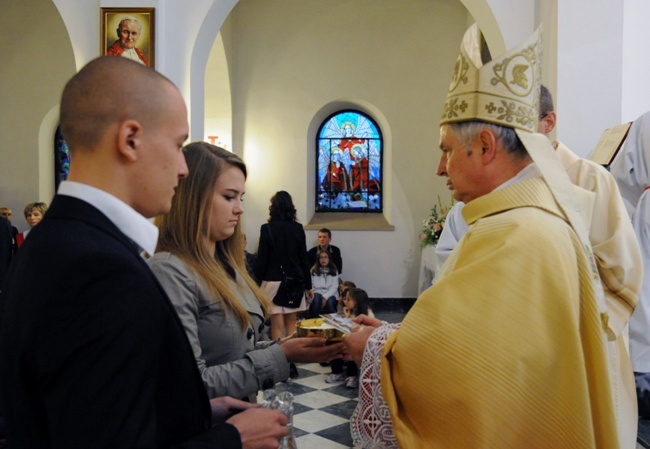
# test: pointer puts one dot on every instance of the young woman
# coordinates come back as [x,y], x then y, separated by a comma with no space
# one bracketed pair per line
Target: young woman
[282,251]
[201,264]
[325,283]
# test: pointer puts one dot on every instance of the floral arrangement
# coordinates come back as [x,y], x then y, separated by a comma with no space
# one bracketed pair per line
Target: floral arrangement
[432,226]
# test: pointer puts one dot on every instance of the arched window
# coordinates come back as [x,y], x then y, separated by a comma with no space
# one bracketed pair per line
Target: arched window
[61,158]
[349,164]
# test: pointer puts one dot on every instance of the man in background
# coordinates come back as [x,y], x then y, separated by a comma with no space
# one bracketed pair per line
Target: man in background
[6,248]
[631,168]
[6,212]
[324,239]
[92,353]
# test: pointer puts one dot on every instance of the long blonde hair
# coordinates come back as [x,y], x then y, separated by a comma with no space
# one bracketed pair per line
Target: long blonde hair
[184,230]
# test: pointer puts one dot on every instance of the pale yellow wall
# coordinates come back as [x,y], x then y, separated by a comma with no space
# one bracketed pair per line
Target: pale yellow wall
[37,61]
[218,103]
[292,59]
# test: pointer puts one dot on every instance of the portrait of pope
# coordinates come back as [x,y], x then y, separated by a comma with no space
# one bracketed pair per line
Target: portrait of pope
[130,36]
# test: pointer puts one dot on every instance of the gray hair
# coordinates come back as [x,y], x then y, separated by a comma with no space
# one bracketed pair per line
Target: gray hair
[132,19]
[467,131]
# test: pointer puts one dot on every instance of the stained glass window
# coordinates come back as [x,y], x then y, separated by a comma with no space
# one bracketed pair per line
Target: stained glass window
[349,164]
[61,158]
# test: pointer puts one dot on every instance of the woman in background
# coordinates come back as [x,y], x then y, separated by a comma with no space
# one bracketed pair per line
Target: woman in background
[283,250]
[200,262]
[34,213]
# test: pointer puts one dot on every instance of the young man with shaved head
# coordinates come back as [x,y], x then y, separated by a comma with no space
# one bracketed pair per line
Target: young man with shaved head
[92,354]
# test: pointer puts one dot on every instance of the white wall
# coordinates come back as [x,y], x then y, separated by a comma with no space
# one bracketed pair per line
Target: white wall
[635,59]
[590,77]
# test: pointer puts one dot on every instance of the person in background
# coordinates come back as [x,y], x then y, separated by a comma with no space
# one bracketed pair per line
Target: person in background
[6,248]
[324,239]
[455,227]
[92,354]
[250,261]
[631,169]
[356,303]
[343,290]
[515,324]
[617,255]
[34,213]
[282,251]
[325,282]
[6,212]
[200,263]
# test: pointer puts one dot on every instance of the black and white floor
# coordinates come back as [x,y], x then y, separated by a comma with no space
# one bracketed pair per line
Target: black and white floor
[322,411]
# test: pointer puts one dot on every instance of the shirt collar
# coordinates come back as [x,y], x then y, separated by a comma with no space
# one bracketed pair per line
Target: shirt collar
[528,172]
[131,223]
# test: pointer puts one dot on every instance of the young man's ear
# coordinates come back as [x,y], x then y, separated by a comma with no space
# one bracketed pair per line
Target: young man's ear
[128,139]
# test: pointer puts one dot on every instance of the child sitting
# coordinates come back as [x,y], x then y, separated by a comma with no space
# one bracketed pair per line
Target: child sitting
[355,302]
[343,290]
[325,282]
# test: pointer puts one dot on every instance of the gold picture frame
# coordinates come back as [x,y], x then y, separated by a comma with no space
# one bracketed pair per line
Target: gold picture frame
[137,38]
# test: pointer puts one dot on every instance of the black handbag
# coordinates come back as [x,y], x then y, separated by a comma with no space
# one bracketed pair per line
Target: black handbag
[291,290]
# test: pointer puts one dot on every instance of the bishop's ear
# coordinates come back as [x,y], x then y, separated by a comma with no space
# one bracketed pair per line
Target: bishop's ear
[488,142]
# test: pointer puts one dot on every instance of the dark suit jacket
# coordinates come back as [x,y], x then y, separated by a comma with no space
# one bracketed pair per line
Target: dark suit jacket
[92,354]
[288,247]
[6,248]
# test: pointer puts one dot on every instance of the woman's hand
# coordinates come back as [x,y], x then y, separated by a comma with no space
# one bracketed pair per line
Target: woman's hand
[310,350]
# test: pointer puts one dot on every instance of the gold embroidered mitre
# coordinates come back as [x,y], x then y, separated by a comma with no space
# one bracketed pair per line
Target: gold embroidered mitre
[504,91]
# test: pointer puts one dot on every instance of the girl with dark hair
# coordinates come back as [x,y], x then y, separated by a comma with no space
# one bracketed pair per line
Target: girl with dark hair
[355,303]
[283,251]
[325,283]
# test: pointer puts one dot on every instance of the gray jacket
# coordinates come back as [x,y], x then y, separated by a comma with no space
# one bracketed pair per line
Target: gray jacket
[232,362]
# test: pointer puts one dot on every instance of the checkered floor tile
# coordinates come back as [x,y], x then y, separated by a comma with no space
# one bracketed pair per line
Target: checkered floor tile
[321,411]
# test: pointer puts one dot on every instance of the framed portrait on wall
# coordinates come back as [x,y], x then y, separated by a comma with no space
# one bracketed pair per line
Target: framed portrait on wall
[129,33]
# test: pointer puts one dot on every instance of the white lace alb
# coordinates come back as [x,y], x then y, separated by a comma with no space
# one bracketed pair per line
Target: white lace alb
[370,425]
